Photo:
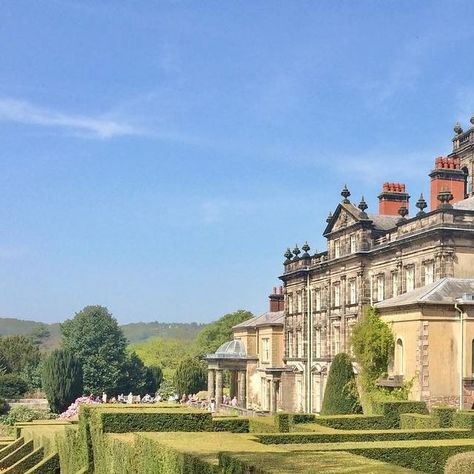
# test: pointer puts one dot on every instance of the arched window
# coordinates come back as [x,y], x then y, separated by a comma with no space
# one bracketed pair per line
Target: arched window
[467,186]
[399,358]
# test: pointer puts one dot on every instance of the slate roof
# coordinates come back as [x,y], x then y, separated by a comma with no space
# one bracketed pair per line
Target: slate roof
[265,319]
[465,204]
[384,222]
[443,291]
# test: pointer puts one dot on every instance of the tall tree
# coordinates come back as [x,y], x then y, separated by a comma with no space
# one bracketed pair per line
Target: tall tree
[340,396]
[218,332]
[17,353]
[95,338]
[190,376]
[62,379]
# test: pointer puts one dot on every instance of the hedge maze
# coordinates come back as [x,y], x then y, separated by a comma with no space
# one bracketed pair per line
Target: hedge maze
[402,437]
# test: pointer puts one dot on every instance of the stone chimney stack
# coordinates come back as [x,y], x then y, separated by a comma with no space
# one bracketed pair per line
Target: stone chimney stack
[277,299]
[392,198]
[447,176]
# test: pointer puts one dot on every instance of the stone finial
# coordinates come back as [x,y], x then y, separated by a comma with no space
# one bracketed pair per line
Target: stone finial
[306,248]
[458,129]
[329,217]
[288,254]
[296,252]
[472,120]
[421,205]
[363,207]
[444,197]
[345,193]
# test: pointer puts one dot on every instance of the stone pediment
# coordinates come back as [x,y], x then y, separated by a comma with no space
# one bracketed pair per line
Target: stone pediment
[344,216]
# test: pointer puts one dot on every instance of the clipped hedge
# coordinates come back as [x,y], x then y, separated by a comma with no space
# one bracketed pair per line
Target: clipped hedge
[233,465]
[283,422]
[13,446]
[362,436]
[117,422]
[304,418]
[444,416]
[353,422]
[49,465]
[428,459]
[26,462]
[460,463]
[232,424]
[464,419]
[391,410]
[16,455]
[414,421]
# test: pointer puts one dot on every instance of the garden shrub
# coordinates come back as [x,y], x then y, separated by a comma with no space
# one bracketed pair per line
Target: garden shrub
[12,386]
[304,418]
[232,424]
[353,422]
[340,395]
[460,463]
[22,413]
[391,410]
[410,421]
[444,416]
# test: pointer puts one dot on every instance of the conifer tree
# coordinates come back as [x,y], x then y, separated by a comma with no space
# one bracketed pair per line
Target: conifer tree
[62,379]
[190,376]
[340,396]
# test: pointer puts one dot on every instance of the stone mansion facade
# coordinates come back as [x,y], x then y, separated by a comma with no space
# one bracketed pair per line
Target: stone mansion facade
[370,258]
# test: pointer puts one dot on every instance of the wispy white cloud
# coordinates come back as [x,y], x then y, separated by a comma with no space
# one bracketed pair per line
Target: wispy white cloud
[24,112]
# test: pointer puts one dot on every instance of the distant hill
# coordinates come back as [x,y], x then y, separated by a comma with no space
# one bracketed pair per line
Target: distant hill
[134,332]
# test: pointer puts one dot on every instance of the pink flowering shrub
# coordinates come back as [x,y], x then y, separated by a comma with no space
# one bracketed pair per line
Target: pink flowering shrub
[73,409]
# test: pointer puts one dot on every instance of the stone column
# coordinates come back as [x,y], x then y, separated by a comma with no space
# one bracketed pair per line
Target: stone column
[218,388]
[242,389]
[211,384]
[233,384]
[274,396]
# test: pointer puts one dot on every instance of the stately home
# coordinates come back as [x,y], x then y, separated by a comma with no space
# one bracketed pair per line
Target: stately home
[395,259]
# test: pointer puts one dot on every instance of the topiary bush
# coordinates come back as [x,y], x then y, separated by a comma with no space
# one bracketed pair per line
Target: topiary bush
[62,379]
[340,396]
[444,416]
[12,386]
[460,463]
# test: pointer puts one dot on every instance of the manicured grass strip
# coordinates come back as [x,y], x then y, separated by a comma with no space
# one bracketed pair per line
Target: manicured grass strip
[26,462]
[362,436]
[262,424]
[49,465]
[319,462]
[16,455]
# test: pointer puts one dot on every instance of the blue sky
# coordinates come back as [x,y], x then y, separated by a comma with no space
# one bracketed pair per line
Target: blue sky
[158,157]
